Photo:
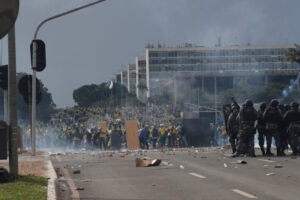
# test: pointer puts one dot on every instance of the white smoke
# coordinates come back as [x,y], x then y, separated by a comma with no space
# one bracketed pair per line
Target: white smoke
[286,91]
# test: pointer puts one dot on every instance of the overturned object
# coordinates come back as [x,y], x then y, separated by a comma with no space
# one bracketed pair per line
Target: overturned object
[147,162]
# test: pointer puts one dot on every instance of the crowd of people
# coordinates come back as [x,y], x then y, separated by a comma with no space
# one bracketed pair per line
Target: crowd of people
[76,127]
[281,122]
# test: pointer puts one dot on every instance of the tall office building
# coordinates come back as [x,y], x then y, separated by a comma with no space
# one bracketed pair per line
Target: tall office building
[131,73]
[141,84]
[217,68]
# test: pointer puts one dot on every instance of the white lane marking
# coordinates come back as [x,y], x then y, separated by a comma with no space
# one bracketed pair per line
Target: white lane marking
[197,175]
[271,161]
[245,194]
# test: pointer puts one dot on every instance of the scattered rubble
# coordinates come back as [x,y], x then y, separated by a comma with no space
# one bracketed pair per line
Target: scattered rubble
[241,162]
[278,166]
[271,174]
[76,172]
[147,162]
[80,188]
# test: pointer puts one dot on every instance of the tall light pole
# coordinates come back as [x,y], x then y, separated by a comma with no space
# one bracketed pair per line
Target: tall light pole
[34,65]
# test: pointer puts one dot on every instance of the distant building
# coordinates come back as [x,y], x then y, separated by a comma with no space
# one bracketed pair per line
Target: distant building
[131,73]
[124,78]
[118,79]
[141,84]
[217,68]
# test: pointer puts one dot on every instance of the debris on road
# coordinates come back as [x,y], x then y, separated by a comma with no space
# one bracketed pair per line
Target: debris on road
[87,180]
[227,146]
[147,162]
[271,174]
[203,157]
[225,165]
[76,172]
[80,188]
[181,167]
[278,166]
[241,162]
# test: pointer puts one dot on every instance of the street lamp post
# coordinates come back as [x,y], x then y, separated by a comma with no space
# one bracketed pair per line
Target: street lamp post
[34,66]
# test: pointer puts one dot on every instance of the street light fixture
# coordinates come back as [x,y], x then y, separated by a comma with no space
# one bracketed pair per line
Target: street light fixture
[34,65]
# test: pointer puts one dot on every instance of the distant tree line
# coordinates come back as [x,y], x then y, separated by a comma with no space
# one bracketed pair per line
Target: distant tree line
[102,95]
[44,109]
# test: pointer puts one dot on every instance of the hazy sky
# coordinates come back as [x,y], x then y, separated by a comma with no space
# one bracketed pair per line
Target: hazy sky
[92,45]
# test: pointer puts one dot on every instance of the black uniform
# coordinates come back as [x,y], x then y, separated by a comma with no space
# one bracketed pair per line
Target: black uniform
[273,120]
[261,127]
[283,136]
[233,129]
[292,118]
[247,118]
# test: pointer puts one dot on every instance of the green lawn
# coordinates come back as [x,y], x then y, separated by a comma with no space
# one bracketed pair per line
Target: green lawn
[25,187]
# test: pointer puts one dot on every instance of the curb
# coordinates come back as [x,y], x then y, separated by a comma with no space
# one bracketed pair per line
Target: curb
[51,192]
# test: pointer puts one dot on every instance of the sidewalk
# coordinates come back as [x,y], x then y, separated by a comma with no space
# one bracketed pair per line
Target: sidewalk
[39,165]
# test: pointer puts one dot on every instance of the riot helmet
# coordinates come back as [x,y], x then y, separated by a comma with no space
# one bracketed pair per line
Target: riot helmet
[249,103]
[274,103]
[263,106]
[295,105]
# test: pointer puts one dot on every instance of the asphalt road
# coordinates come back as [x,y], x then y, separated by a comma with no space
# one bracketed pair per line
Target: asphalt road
[206,173]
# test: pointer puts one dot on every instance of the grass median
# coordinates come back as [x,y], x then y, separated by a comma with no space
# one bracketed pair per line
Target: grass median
[25,187]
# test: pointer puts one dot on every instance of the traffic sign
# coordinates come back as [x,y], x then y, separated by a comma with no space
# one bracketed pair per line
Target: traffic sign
[9,10]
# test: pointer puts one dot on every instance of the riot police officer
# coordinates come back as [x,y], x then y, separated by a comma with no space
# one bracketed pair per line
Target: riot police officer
[273,119]
[261,127]
[247,118]
[292,118]
[233,127]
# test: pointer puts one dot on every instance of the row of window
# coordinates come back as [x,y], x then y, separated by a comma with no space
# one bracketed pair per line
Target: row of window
[225,67]
[239,59]
[222,52]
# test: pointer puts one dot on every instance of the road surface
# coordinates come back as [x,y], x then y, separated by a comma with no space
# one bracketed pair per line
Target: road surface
[206,173]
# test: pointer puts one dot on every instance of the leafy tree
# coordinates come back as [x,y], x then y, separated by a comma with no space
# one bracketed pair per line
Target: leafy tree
[101,95]
[293,54]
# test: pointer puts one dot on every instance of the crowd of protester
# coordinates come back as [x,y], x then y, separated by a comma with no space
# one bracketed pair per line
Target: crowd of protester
[77,127]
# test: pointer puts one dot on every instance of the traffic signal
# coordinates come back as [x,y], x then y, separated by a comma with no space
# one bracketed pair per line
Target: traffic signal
[25,88]
[4,77]
[40,55]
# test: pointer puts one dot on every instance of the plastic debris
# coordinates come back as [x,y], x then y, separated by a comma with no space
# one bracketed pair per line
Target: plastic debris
[241,162]
[76,172]
[181,167]
[271,174]
[147,162]
[278,166]
[225,165]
